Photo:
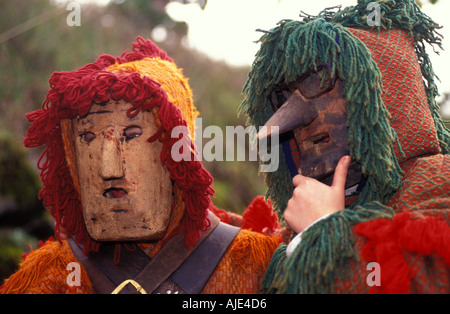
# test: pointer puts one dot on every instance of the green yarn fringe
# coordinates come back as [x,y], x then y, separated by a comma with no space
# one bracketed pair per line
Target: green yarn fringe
[322,255]
[274,269]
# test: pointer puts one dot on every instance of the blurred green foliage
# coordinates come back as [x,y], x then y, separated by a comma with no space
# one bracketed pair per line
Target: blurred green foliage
[23,219]
[19,182]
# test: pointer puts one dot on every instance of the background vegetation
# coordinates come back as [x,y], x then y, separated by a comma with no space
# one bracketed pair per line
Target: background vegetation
[35,41]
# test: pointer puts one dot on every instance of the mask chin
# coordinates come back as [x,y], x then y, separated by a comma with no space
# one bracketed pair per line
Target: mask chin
[319,128]
[320,153]
[324,141]
[353,176]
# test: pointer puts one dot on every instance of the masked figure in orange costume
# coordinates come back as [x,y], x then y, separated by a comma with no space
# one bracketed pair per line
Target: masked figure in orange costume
[138,218]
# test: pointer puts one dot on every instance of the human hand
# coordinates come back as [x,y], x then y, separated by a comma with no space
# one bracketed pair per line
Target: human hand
[313,199]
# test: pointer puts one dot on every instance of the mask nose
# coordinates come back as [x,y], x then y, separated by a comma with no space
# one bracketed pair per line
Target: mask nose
[112,161]
[296,112]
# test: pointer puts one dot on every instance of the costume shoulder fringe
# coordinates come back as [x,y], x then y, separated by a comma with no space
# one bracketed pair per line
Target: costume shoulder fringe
[46,264]
[253,246]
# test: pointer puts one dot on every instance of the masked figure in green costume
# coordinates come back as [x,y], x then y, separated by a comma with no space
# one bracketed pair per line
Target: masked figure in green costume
[355,82]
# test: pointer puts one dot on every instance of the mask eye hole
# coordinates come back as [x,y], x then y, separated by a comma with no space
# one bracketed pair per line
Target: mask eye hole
[87,137]
[132,132]
[279,97]
[315,84]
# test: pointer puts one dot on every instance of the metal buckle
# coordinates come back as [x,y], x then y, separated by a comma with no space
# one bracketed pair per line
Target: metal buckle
[126,282]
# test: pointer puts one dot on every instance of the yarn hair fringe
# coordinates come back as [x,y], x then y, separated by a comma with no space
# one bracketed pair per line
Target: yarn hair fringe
[255,246]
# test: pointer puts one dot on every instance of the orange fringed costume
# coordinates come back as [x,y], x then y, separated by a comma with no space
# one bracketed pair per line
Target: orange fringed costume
[148,79]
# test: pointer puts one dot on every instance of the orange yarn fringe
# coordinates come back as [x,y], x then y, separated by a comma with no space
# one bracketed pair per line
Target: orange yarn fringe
[171,79]
[255,246]
[45,271]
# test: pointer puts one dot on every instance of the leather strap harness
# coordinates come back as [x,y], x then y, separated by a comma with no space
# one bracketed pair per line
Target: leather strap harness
[175,269]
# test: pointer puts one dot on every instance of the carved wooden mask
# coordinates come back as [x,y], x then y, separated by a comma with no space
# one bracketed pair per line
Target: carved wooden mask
[313,108]
[126,192]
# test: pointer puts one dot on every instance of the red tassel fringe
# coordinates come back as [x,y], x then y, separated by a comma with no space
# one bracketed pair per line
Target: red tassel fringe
[388,240]
[260,217]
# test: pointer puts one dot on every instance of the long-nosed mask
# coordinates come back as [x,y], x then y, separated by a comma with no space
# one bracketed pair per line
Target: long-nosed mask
[313,108]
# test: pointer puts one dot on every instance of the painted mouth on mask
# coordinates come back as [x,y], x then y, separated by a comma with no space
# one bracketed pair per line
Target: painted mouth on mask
[320,138]
[115,193]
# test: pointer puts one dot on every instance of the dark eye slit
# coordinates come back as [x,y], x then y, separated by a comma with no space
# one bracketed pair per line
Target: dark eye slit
[132,132]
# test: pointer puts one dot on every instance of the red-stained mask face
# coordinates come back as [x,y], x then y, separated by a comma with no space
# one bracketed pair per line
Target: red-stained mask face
[126,192]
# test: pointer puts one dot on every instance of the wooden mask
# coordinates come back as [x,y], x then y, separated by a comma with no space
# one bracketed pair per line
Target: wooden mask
[313,108]
[125,190]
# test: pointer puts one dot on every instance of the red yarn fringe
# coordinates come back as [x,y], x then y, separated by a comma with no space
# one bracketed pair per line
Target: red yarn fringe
[389,240]
[260,216]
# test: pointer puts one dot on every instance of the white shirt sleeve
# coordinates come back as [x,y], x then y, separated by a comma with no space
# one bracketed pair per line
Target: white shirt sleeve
[298,238]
